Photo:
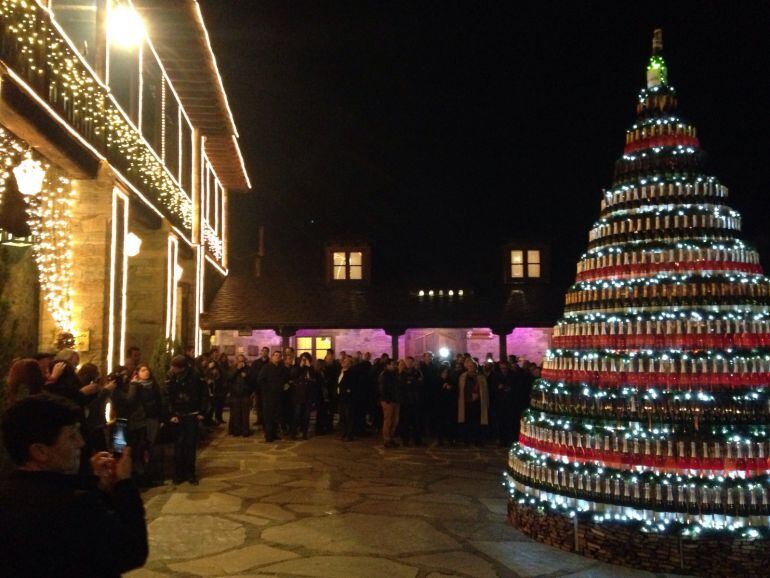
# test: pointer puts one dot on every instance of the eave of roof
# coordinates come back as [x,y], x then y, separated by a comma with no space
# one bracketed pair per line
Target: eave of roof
[180,37]
[245,302]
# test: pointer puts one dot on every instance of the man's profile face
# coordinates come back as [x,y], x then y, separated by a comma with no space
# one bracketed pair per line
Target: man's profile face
[64,455]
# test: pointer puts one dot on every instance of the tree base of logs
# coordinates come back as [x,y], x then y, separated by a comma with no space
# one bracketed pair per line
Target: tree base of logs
[623,543]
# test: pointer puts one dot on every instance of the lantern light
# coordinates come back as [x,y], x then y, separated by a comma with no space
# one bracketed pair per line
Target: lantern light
[133,244]
[29,176]
[126,27]
[178,271]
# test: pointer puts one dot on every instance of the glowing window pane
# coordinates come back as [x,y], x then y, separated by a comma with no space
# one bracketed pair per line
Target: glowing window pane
[356,258]
[339,259]
[517,257]
[304,343]
[533,257]
[321,353]
[356,272]
[517,271]
[323,343]
[533,270]
[340,272]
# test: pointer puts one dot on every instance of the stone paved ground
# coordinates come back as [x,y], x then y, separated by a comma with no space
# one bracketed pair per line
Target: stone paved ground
[328,508]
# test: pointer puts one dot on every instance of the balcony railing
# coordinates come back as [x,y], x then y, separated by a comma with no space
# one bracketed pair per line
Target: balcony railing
[34,48]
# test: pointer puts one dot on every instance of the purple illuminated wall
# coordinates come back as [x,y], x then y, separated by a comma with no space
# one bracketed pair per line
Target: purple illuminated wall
[526,342]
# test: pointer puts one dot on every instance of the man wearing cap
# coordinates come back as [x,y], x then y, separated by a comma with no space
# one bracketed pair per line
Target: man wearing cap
[187,398]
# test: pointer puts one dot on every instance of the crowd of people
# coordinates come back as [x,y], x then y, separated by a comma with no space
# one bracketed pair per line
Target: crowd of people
[59,430]
[405,401]
[453,401]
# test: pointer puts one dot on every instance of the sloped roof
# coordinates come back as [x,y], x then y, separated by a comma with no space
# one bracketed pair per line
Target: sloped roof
[247,302]
[179,35]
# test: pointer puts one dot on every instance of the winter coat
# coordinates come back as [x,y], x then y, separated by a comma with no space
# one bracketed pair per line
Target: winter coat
[186,393]
[128,405]
[390,391]
[271,380]
[304,385]
[465,380]
[238,382]
[61,525]
[411,387]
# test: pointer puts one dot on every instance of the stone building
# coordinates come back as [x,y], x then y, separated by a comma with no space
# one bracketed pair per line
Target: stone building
[344,295]
[119,151]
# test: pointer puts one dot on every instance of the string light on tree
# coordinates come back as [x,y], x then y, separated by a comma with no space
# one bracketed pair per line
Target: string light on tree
[653,407]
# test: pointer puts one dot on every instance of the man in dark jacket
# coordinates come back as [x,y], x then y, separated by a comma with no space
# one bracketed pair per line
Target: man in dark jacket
[411,388]
[240,390]
[431,386]
[54,522]
[390,398]
[347,384]
[187,399]
[254,369]
[271,381]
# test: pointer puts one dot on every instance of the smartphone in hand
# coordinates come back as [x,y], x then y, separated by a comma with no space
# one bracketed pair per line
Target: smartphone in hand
[119,441]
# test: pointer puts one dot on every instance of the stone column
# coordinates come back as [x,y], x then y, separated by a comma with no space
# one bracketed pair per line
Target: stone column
[395,333]
[146,292]
[91,232]
[502,335]
[286,334]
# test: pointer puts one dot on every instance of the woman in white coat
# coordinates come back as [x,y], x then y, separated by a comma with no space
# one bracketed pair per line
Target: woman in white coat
[472,403]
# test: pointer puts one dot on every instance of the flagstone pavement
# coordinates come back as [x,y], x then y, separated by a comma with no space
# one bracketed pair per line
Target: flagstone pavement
[324,507]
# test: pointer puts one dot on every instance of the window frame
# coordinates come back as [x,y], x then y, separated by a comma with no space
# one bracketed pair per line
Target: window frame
[314,349]
[364,268]
[527,263]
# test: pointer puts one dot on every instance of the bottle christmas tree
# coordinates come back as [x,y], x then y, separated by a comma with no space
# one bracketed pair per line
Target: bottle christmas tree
[653,404]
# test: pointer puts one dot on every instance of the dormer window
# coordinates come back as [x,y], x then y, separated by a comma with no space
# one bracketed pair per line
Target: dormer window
[348,265]
[525,264]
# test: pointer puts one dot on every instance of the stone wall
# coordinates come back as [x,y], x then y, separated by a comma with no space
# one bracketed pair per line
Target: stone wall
[146,292]
[529,343]
[233,343]
[91,230]
[622,543]
[375,341]
[21,291]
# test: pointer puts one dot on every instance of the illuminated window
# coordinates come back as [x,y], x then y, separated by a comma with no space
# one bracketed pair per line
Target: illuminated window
[339,261]
[151,100]
[517,264]
[525,264]
[347,265]
[533,263]
[78,19]
[317,347]
[355,265]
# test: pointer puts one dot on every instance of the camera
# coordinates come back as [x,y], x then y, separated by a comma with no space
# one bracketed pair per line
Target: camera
[119,441]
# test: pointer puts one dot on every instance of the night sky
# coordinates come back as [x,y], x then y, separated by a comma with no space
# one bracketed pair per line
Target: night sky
[438,130]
